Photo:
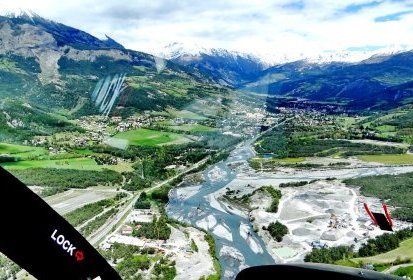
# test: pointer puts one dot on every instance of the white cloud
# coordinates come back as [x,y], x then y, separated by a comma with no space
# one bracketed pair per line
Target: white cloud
[243,25]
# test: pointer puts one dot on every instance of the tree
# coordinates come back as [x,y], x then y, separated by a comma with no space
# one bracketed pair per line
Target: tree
[277,230]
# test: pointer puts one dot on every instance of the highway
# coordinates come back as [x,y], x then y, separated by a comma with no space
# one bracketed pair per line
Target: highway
[107,228]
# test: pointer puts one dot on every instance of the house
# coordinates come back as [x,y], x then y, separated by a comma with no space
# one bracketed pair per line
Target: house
[126,230]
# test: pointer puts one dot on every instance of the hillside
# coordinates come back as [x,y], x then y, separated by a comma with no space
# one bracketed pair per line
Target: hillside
[51,73]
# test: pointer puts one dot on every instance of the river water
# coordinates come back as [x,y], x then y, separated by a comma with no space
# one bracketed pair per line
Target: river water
[238,248]
[237,252]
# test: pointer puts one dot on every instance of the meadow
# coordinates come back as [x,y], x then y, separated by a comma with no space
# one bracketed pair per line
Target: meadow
[20,151]
[388,159]
[148,137]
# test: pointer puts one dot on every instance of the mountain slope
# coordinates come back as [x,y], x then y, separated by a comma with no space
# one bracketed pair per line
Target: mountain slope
[55,69]
[225,67]
[381,82]
[63,35]
[42,59]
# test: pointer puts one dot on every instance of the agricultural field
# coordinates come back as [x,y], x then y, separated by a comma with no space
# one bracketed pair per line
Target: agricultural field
[394,125]
[388,159]
[405,251]
[193,128]
[148,137]
[349,121]
[20,151]
[258,163]
[69,163]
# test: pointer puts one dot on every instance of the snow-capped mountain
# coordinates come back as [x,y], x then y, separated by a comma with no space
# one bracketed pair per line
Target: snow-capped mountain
[23,14]
[235,68]
[354,56]
[226,67]
[176,50]
[267,59]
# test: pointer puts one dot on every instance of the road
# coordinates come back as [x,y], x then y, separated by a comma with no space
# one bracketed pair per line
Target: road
[107,229]
[394,268]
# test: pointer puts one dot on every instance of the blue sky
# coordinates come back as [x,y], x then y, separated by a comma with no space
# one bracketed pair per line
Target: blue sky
[271,26]
[393,17]
[355,7]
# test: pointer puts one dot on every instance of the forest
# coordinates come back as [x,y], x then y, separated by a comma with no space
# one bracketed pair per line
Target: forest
[396,190]
[158,229]
[293,141]
[57,180]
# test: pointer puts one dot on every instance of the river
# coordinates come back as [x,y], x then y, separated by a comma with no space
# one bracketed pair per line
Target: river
[237,245]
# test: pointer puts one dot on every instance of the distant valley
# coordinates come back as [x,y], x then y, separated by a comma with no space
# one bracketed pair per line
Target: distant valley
[198,164]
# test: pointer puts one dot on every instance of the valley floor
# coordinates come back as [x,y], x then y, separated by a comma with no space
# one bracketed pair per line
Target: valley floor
[325,212]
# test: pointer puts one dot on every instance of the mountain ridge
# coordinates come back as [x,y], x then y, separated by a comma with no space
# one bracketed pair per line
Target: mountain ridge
[56,69]
[378,83]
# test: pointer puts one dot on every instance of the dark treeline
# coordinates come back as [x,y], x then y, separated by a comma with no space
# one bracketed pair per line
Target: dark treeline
[84,213]
[382,244]
[284,143]
[275,196]
[293,184]
[329,255]
[326,147]
[134,181]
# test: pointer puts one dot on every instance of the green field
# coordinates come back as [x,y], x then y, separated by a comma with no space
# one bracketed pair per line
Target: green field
[389,159]
[70,163]
[185,114]
[85,152]
[21,151]
[259,163]
[386,128]
[288,160]
[404,271]
[148,137]
[193,128]
[348,121]
[405,251]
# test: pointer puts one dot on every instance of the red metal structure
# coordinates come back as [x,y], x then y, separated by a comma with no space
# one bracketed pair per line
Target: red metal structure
[384,221]
[387,213]
[369,213]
